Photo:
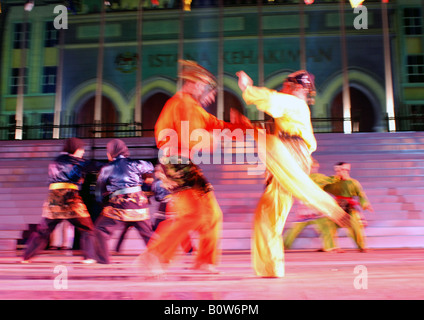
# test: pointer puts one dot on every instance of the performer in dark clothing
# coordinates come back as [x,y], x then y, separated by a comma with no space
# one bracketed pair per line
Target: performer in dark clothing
[147,189]
[164,214]
[121,181]
[66,174]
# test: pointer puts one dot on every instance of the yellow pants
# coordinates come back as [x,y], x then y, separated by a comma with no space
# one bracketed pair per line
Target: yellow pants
[356,230]
[270,218]
[290,171]
[192,213]
[325,227]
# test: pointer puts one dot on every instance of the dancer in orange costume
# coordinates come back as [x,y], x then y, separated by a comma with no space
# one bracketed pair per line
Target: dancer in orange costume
[193,198]
[288,161]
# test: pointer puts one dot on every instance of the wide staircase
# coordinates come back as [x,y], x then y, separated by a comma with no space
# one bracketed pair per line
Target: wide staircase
[390,167]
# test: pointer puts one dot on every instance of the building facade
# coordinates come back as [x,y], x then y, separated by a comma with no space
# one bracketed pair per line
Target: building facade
[117,63]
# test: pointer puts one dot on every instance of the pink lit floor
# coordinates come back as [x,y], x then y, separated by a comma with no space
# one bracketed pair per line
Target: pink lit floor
[379,274]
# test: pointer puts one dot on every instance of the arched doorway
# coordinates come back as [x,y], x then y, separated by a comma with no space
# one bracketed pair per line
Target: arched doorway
[85,118]
[230,101]
[362,112]
[152,108]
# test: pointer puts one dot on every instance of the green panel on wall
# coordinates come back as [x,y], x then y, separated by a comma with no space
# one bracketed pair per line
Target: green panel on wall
[42,103]
[282,22]
[93,31]
[414,93]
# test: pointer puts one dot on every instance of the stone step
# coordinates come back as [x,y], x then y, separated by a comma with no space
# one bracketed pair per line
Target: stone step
[5,172]
[374,148]
[364,180]
[246,206]
[7,244]
[31,183]
[383,173]
[21,204]
[24,190]
[347,243]
[21,211]
[10,234]
[39,180]
[247,216]
[22,219]
[358,165]
[371,223]
[97,154]
[8,197]
[137,245]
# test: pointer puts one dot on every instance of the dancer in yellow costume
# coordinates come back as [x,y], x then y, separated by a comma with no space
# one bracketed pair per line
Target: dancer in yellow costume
[288,160]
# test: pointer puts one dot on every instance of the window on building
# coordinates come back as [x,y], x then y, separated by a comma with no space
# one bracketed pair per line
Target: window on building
[21,35]
[51,35]
[12,127]
[49,80]
[415,68]
[14,80]
[47,125]
[417,117]
[412,21]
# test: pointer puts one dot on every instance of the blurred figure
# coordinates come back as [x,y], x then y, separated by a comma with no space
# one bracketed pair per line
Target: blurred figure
[307,216]
[164,213]
[147,190]
[352,198]
[121,181]
[162,196]
[288,159]
[193,199]
[66,174]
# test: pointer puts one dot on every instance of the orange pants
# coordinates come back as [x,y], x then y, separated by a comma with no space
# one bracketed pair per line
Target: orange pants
[192,213]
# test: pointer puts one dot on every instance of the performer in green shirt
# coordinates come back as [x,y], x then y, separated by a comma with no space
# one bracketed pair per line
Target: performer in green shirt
[351,197]
[307,216]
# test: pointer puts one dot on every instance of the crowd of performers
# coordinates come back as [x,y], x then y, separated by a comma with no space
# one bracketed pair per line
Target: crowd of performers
[329,202]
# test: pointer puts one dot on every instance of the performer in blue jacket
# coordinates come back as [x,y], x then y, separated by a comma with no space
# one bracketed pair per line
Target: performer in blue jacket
[66,174]
[120,180]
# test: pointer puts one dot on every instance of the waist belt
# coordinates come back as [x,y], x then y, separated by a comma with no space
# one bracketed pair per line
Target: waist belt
[351,201]
[62,185]
[126,190]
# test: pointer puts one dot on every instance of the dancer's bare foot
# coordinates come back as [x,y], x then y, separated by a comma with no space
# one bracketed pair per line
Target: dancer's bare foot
[206,268]
[149,262]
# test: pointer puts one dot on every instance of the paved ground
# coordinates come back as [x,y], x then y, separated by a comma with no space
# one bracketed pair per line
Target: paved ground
[378,274]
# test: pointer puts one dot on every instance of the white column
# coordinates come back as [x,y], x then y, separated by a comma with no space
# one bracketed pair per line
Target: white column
[347,121]
[261,77]
[220,98]
[98,97]
[138,101]
[302,35]
[390,105]
[180,46]
[19,115]
[59,83]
